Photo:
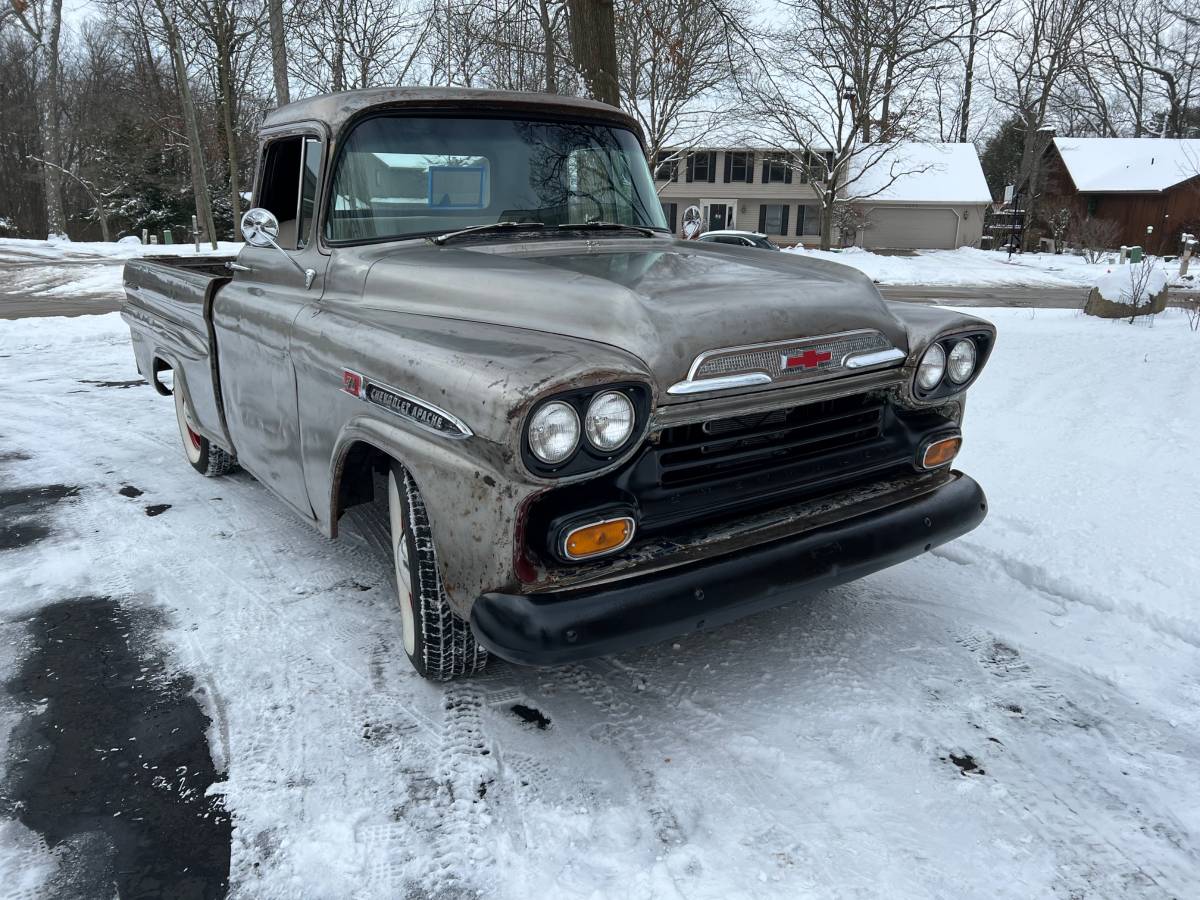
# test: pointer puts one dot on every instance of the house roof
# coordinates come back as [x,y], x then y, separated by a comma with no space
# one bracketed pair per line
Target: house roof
[914,172]
[1139,165]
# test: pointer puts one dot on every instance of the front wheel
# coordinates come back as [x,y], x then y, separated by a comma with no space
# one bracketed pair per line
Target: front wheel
[439,643]
[206,458]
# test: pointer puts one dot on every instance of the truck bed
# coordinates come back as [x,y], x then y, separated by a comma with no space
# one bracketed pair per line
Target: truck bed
[168,305]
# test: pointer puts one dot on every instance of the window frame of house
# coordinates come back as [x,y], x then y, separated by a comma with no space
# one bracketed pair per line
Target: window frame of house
[781,229]
[671,211]
[710,165]
[666,165]
[808,214]
[773,163]
[743,159]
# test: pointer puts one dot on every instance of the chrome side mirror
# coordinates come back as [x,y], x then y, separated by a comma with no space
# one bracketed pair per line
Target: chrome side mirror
[260,228]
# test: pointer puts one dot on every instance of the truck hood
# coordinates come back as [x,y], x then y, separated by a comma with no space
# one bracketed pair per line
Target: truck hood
[663,301]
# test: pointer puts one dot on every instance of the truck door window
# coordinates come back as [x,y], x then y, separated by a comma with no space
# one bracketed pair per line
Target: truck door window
[308,190]
[284,170]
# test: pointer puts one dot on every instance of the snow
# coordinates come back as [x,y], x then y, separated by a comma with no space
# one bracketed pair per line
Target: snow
[805,752]
[968,266]
[1128,164]
[83,267]
[122,249]
[1122,283]
[916,172]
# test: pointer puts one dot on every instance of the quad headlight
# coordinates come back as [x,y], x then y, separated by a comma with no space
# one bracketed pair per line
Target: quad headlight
[609,421]
[961,365]
[554,432]
[951,363]
[932,367]
[584,429]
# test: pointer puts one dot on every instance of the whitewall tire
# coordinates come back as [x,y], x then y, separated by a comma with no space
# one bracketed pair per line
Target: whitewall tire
[438,643]
[206,458]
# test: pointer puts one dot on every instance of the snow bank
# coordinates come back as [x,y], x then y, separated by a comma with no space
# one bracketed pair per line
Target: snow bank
[122,249]
[968,266]
[1120,283]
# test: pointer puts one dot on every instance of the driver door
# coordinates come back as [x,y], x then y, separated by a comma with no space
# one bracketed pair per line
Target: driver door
[254,313]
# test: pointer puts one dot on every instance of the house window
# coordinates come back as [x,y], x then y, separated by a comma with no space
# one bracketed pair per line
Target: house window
[1093,204]
[671,211]
[702,166]
[776,170]
[808,220]
[666,166]
[773,218]
[739,166]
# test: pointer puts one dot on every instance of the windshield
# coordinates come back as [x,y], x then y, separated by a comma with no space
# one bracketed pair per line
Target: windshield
[400,176]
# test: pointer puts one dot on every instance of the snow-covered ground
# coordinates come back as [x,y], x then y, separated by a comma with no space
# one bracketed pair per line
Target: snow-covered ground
[1015,715]
[967,266]
[64,268]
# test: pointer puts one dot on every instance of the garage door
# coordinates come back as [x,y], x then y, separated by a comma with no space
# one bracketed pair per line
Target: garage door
[911,228]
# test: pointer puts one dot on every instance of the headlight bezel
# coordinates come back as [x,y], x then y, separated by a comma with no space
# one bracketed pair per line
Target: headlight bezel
[970,344]
[586,457]
[578,426]
[592,438]
[946,386]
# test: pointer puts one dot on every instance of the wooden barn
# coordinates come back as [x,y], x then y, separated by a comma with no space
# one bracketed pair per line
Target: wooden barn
[1137,183]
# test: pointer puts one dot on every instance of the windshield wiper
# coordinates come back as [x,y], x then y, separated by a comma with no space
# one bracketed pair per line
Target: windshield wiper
[481,229]
[608,226]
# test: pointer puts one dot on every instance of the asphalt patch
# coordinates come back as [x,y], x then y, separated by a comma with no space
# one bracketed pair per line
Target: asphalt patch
[25,513]
[129,490]
[530,715]
[157,509]
[966,763]
[123,385]
[113,769]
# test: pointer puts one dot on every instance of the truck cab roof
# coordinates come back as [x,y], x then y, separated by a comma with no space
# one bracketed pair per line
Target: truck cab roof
[335,110]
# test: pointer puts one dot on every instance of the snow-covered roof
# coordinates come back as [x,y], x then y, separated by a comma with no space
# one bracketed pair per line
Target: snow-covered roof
[915,172]
[1128,164]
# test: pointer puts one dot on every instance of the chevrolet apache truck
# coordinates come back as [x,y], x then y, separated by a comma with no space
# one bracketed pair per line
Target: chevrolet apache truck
[585,435]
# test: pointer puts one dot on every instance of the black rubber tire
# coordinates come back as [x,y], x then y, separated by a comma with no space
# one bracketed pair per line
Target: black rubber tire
[440,645]
[205,457]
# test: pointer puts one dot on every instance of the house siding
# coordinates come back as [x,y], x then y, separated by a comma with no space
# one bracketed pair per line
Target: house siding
[750,196]
[1171,212]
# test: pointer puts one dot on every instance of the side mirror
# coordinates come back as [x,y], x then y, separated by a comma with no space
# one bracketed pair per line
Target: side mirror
[260,228]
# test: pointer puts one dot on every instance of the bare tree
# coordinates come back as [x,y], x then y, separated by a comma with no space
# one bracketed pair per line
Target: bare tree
[594,47]
[1093,237]
[191,123]
[279,63]
[348,44]
[42,21]
[805,94]
[673,55]
[1044,44]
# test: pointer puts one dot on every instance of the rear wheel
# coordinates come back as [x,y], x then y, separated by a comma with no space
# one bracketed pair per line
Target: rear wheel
[438,642]
[206,458]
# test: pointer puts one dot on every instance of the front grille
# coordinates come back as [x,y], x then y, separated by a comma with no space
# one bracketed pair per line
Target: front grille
[724,468]
[725,448]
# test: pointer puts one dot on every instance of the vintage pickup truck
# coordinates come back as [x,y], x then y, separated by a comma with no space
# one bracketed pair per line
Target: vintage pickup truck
[467,308]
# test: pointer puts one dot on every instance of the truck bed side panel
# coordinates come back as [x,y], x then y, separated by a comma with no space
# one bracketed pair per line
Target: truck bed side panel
[167,307]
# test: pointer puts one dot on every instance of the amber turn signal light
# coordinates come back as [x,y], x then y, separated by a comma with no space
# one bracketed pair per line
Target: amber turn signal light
[598,537]
[941,452]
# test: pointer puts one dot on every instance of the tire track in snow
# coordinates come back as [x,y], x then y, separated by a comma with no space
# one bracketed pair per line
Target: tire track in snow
[1101,844]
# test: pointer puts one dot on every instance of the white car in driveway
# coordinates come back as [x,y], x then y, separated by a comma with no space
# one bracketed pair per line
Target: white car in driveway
[739,239]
